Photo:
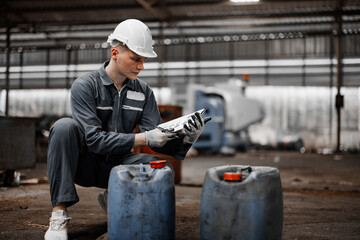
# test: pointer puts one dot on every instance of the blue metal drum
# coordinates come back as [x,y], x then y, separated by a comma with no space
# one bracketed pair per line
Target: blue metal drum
[141,203]
[241,202]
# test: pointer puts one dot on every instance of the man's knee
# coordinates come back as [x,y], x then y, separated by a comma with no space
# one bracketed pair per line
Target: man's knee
[64,128]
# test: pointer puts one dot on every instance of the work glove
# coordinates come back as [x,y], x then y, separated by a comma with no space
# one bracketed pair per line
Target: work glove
[193,128]
[158,138]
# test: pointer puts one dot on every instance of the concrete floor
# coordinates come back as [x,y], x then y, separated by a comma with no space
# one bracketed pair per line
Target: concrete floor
[321,198]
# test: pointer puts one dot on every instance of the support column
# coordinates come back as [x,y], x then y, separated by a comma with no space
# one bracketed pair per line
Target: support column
[232,59]
[331,58]
[161,79]
[21,65]
[68,63]
[47,79]
[267,78]
[339,100]
[303,75]
[7,83]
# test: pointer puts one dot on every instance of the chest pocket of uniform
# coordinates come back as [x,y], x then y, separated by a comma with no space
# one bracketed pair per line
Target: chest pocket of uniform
[132,116]
[132,109]
[104,113]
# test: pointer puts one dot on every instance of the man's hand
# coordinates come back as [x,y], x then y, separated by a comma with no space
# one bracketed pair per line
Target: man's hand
[158,138]
[194,128]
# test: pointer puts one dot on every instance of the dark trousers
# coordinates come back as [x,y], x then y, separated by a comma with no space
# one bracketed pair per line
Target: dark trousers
[70,163]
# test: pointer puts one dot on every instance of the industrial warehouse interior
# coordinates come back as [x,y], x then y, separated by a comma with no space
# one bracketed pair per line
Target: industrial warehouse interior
[279,79]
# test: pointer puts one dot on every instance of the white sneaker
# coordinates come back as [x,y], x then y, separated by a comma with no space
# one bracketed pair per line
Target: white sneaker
[103,200]
[58,226]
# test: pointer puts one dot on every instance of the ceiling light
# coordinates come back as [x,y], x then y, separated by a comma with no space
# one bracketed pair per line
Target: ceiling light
[244,1]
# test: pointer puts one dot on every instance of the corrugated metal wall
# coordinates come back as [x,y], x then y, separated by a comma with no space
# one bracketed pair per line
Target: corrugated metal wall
[298,72]
[308,112]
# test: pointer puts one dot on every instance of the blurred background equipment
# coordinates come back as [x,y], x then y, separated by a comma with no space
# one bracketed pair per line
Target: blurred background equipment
[17,148]
[232,113]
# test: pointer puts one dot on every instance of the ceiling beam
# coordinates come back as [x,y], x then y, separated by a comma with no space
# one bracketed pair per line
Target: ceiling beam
[163,14]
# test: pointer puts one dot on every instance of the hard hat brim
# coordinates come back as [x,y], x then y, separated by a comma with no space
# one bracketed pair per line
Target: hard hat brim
[143,54]
[115,42]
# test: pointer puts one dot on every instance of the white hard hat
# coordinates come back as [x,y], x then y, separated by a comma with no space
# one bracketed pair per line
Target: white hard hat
[135,35]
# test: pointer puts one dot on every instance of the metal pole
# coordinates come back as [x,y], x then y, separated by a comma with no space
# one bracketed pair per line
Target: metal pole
[197,59]
[21,69]
[47,79]
[187,47]
[161,56]
[339,103]
[7,84]
[331,88]
[303,64]
[76,63]
[232,58]
[267,81]
[68,62]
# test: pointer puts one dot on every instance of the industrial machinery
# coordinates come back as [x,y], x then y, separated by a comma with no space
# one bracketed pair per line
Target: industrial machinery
[17,147]
[232,113]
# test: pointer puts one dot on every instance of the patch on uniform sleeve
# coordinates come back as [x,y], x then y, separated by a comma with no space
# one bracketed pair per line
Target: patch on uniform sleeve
[137,96]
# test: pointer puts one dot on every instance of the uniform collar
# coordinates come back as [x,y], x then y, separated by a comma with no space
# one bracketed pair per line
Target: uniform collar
[106,80]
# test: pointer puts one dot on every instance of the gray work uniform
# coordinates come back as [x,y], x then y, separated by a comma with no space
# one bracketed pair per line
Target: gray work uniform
[83,149]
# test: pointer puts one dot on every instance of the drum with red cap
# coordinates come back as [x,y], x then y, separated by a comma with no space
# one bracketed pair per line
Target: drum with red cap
[241,202]
[141,202]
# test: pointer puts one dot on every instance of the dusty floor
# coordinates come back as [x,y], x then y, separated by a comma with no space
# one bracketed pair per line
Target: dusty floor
[321,198]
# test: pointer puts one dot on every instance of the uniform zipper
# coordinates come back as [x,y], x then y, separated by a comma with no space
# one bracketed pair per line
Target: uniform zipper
[117,115]
[119,107]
